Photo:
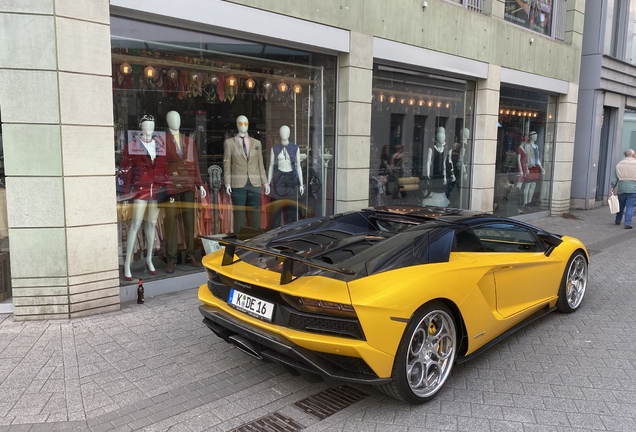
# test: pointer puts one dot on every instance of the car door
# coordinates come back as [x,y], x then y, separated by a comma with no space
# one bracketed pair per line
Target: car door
[524,275]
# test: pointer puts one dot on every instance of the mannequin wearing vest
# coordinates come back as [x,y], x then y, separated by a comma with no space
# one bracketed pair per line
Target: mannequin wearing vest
[285,174]
[436,170]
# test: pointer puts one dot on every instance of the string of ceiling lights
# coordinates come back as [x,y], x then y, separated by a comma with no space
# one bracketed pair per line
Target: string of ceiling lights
[211,74]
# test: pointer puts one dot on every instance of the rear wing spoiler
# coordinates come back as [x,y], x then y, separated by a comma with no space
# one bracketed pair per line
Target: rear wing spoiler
[232,243]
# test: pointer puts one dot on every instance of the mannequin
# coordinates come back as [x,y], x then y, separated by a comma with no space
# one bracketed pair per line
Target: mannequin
[436,170]
[464,136]
[454,163]
[534,168]
[522,165]
[244,174]
[144,173]
[285,157]
[183,167]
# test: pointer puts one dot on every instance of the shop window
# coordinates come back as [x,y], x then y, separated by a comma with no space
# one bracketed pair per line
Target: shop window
[421,147]
[525,148]
[619,23]
[203,124]
[5,276]
[535,15]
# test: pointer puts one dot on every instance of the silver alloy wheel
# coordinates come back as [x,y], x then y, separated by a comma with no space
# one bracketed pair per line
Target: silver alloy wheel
[431,353]
[576,281]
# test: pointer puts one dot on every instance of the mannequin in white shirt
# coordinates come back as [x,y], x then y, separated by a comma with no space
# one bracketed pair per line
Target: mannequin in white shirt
[139,209]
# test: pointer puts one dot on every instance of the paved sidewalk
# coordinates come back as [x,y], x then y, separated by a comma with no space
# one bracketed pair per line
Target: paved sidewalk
[156,367]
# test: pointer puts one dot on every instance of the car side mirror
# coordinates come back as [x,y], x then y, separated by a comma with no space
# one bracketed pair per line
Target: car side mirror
[549,239]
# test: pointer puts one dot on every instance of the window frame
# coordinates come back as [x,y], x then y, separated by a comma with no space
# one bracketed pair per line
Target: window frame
[539,246]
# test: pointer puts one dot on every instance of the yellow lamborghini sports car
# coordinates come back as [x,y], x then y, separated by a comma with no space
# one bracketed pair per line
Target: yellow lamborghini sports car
[388,296]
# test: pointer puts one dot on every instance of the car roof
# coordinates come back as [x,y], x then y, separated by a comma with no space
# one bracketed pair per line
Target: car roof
[445,214]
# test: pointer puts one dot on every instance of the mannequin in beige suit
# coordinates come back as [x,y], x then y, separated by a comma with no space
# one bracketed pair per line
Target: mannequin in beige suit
[244,174]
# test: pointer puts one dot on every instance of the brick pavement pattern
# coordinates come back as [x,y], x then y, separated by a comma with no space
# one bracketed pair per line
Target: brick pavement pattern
[156,367]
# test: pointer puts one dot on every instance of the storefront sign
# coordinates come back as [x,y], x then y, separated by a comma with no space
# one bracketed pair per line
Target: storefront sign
[136,147]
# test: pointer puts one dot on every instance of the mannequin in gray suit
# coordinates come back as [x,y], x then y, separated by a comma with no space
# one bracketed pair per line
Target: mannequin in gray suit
[244,174]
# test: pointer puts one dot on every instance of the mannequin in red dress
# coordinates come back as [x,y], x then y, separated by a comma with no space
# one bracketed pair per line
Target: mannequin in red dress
[144,171]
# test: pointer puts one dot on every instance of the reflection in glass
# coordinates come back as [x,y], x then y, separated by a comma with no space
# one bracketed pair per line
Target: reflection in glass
[524,162]
[196,86]
[428,142]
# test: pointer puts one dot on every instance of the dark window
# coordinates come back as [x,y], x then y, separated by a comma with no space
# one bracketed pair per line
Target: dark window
[506,237]
[467,241]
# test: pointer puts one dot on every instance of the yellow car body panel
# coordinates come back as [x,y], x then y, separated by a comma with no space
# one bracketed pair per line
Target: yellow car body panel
[315,287]
[380,362]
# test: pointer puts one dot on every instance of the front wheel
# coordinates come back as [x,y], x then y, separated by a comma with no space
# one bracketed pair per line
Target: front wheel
[573,284]
[426,355]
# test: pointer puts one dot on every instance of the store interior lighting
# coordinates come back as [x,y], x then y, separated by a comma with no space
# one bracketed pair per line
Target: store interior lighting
[125,68]
[150,72]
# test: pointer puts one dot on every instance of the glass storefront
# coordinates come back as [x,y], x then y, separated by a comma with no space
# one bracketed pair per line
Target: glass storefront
[525,149]
[5,277]
[629,131]
[203,124]
[421,140]
[535,15]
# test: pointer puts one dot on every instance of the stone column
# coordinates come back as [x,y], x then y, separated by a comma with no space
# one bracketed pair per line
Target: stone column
[354,124]
[485,142]
[566,120]
[56,107]
[564,150]
[495,8]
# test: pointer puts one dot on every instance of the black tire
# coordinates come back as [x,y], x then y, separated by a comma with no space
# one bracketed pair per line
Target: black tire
[429,346]
[573,284]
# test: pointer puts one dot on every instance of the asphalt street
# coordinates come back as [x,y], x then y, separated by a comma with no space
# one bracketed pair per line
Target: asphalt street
[156,367]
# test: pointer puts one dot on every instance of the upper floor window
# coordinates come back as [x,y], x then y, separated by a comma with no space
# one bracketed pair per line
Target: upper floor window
[474,5]
[535,15]
[618,37]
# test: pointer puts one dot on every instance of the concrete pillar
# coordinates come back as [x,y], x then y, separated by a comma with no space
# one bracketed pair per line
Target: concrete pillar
[575,18]
[354,124]
[56,102]
[485,151]
[564,150]
[495,8]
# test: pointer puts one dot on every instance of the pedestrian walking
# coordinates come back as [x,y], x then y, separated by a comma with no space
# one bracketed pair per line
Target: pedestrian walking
[624,185]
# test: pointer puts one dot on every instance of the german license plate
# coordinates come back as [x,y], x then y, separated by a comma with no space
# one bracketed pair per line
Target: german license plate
[251,305]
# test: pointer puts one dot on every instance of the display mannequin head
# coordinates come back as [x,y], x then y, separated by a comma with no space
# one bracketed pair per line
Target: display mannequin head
[147,125]
[465,135]
[440,137]
[242,124]
[532,138]
[174,120]
[284,134]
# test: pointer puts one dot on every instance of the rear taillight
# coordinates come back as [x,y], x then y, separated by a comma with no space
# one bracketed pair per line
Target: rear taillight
[320,306]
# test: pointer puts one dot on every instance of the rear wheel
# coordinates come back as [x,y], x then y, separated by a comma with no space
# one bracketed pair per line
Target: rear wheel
[573,284]
[425,357]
